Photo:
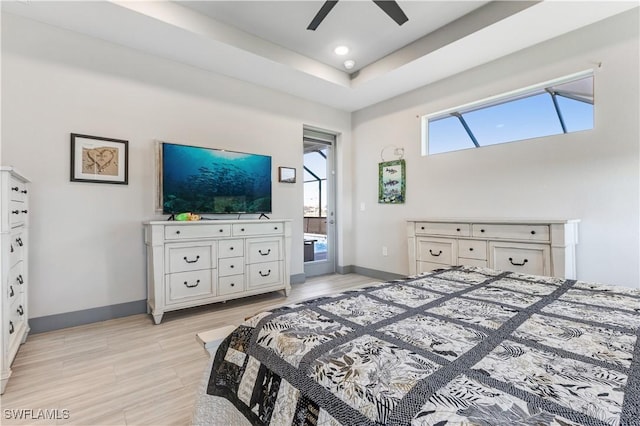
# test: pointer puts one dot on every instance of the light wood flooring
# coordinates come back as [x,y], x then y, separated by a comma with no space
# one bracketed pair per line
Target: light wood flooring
[128,371]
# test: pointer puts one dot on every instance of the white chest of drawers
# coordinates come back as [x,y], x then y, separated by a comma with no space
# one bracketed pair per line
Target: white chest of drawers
[14,214]
[197,263]
[538,247]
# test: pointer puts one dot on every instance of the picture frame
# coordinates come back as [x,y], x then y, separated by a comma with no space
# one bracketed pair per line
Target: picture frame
[391,182]
[99,160]
[287,174]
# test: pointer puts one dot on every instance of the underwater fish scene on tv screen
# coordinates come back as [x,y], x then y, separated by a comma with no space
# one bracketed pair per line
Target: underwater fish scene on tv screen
[207,180]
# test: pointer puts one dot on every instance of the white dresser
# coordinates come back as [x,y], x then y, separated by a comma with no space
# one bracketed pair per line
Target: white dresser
[14,227]
[196,263]
[538,247]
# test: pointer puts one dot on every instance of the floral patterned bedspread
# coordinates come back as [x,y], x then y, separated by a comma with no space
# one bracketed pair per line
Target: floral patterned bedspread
[457,346]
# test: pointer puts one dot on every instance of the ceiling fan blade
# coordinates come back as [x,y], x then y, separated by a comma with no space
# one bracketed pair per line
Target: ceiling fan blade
[392,9]
[322,13]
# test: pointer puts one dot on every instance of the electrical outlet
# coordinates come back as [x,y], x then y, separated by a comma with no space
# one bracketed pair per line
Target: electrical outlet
[385,252]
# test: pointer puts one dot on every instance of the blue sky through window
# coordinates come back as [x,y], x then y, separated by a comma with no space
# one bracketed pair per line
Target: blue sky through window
[577,115]
[446,135]
[516,119]
[526,118]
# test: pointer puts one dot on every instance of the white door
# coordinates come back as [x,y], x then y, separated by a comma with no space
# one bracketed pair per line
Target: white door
[319,201]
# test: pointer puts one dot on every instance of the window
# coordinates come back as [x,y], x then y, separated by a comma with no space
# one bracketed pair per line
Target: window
[560,106]
[315,180]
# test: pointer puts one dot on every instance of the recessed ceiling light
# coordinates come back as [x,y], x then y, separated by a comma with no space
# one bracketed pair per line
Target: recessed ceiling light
[341,50]
[349,63]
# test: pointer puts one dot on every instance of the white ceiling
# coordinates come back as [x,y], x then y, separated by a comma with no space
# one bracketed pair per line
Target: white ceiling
[361,25]
[266,42]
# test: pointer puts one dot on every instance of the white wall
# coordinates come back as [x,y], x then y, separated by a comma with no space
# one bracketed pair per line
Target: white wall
[86,239]
[593,175]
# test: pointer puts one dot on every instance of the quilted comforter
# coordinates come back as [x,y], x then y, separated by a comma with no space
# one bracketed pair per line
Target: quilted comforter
[458,346]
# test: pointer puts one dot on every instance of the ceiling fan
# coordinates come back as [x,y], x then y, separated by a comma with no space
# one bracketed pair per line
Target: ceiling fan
[389,7]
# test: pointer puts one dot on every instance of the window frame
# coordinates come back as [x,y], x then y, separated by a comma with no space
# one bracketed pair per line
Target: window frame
[491,101]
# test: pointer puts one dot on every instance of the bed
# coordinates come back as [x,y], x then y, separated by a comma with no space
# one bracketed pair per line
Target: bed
[463,345]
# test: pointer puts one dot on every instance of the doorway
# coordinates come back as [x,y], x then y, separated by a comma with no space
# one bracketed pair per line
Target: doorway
[319,203]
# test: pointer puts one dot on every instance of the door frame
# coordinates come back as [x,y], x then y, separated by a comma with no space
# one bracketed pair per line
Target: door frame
[328,266]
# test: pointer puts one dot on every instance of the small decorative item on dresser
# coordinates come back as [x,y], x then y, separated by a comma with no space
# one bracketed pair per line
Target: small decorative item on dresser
[287,174]
[99,160]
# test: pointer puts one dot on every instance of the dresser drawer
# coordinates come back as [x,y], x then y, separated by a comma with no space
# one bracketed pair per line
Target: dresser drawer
[17,277]
[423,267]
[12,329]
[264,250]
[13,292]
[230,266]
[525,258]
[184,232]
[14,288]
[17,246]
[437,251]
[264,228]
[230,248]
[511,232]
[472,249]
[443,228]
[231,284]
[17,213]
[17,310]
[189,258]
[17,315]
[17,189]
[189,285]
[472,262]
[264,274]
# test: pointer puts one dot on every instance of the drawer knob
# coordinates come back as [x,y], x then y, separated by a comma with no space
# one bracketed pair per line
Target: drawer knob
[265,275]
[264,254]
[232,284]
[11,292]
[482,230]
[19,241]
[422,227]
[533,232]
[11,328]
[232,266]
[241,229]
[15,188]
[220,230]
[470,248]
[231,248]
[192,285]
[433,254]
[177,232]
[275,227]
[15,211]
[191,261]
[458,229]
[20,310]
[517,264]
[12,250]
[24,191]
[20,279]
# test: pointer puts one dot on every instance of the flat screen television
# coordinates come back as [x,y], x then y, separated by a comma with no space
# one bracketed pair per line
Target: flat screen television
[213,181]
